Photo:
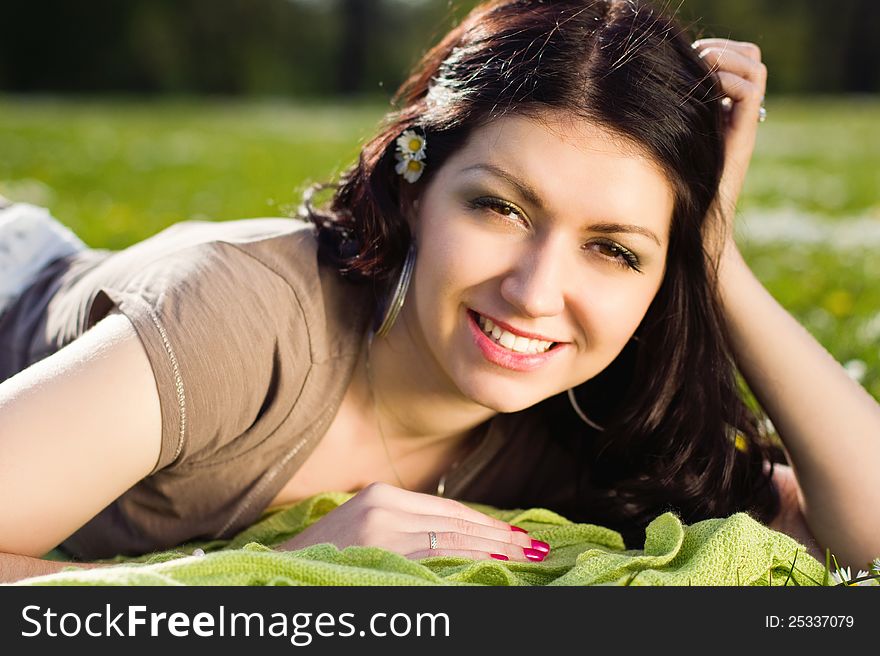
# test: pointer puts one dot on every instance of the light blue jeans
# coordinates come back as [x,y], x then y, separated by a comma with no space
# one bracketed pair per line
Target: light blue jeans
[30,238]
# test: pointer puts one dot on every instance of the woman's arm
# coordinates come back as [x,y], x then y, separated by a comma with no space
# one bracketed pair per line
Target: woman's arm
[15,568]
[828,423]
[77,429]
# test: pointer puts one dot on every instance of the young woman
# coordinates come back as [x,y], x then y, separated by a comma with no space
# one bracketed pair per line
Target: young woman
[525,293]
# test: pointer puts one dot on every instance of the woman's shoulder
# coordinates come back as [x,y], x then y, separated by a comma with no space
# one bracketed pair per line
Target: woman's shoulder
[335,308]
[233,231]
[237,320]
[285,247]
[272,262]
[269,241]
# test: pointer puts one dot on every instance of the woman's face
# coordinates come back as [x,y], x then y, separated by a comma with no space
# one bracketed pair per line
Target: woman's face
[518,227]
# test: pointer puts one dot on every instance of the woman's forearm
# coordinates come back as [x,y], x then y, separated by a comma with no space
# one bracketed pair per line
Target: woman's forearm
[829,425]
[15,568]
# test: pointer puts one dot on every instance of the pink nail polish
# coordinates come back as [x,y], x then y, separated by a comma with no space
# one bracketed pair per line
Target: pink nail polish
[499,556]
[540,546]
[517,528]
[534,554]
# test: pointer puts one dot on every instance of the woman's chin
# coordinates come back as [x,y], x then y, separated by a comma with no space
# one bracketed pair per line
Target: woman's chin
[504,400]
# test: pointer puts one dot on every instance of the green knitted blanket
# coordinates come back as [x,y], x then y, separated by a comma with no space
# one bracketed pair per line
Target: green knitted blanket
[736,550]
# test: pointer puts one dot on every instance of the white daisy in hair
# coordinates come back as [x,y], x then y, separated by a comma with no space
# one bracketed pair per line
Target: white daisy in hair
[410,169]
[411,145]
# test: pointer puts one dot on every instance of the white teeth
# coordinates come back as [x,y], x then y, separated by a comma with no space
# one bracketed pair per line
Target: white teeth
[513,342]
[507,340]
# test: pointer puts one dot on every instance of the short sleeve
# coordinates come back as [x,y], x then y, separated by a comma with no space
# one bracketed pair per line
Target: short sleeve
[221,330]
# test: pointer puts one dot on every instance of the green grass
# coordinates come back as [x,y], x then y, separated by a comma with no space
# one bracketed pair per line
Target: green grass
[818,162]
[119,171]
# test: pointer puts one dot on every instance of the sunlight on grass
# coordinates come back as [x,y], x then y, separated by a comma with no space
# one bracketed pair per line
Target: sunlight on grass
[117,172]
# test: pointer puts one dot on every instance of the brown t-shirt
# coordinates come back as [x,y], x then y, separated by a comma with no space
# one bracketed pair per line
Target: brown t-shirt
[252,343]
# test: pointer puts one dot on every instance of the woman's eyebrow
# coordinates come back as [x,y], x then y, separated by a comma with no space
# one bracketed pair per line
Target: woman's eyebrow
[525,189]
[531,195]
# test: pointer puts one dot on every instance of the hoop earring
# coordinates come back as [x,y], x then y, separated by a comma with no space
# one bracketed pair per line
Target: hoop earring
[395,302]
[580,413]
[577,408]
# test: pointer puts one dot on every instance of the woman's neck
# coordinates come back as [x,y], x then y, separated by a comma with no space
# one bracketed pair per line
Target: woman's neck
[417,405]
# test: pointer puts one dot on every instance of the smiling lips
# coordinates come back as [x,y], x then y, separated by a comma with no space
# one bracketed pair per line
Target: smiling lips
[507,349]
[511,340]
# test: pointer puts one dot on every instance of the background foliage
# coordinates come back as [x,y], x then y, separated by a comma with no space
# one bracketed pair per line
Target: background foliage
[329,47]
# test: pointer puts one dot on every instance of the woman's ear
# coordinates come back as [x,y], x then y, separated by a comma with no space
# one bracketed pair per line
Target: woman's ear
[409,208]
[412,216]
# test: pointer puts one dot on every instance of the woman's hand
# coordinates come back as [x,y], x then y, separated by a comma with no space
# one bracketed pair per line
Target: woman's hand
[385,516]
[744,80]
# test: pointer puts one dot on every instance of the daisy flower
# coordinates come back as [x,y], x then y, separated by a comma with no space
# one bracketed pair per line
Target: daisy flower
[842,575]
[856,369]
[411,145]
[410,169]
[875,565]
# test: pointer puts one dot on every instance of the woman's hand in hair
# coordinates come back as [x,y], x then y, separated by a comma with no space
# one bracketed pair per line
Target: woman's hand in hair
[743,80]
[388,517]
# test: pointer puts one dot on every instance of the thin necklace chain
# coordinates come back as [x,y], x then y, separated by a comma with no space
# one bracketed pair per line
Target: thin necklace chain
[441,485]
[376,412]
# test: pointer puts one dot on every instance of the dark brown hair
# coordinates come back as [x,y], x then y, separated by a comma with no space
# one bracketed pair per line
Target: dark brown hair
[670,403]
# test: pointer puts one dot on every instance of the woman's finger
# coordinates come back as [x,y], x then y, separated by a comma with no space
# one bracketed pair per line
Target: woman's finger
[421,524]
[417,503]
[463,553]
[451,541]
[740,90]
[721,59]
[746,96]
[457,553]
[750,50]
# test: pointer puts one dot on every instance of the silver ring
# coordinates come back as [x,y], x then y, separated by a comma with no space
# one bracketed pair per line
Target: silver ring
[762,112]
[433,537]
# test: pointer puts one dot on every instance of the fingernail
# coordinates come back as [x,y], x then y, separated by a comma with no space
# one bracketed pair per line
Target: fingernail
[517,528]
[499,556]
[533,554]
[540,546]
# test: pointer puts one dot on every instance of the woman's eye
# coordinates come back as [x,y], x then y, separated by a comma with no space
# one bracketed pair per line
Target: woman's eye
[506,210]
[510,212]
[619,255]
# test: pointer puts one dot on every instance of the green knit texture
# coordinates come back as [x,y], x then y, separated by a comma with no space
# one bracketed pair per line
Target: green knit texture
[732,551]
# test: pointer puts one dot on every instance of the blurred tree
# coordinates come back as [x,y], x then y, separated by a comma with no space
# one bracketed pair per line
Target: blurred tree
[358,26]
[809,46]
[322,47]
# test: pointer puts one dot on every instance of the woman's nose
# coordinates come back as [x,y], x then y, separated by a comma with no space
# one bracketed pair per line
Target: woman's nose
[535,286]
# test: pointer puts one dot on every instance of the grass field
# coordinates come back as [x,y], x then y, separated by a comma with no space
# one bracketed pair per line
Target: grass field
[119,171]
